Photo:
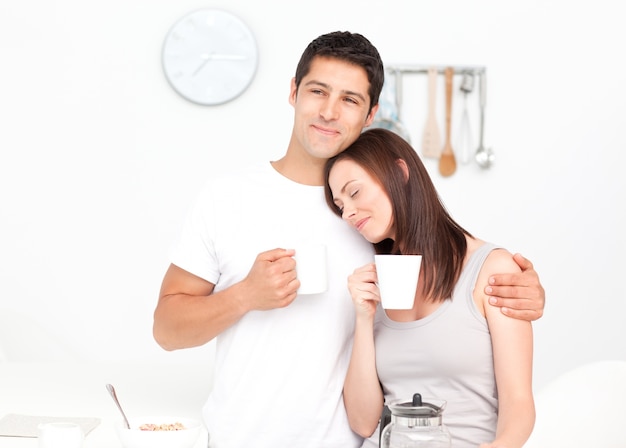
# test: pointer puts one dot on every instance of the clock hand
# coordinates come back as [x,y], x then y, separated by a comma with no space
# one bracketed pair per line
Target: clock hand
[227,57]
[217,57]
[206,61]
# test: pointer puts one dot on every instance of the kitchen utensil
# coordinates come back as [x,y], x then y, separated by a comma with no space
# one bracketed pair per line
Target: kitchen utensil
[431,138]
[464,144]
[447,162]
[111,390]
[484,156]
[415,424]
[388,115]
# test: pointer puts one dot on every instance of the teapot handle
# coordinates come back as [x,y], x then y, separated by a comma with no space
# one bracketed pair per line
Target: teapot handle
[385,419]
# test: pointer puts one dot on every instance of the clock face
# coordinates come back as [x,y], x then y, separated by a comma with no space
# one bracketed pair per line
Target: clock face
[209,56]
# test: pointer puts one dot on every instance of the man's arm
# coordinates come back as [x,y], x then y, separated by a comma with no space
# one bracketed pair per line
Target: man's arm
[189,314]
[520,296]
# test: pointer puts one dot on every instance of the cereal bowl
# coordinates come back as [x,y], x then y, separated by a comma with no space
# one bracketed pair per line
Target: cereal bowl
[159,432]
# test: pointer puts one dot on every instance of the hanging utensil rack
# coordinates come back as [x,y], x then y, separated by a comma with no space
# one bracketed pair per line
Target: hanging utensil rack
[423,68]
[400,69]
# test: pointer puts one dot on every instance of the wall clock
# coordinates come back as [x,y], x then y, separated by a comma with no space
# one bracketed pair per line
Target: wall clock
[209,56]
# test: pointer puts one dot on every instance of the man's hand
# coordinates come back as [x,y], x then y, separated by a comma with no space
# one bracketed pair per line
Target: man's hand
[271,282]
[520,296]
[190,313]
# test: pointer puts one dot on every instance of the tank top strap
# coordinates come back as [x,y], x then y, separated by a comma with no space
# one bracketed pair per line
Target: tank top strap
[470,272]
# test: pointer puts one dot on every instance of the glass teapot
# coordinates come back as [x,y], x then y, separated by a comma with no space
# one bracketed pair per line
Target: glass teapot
[414,424]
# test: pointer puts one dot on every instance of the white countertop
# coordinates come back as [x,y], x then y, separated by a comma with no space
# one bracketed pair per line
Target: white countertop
[78,390]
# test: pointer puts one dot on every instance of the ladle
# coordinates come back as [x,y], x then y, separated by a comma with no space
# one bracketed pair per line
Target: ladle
[484,156]
[111,390]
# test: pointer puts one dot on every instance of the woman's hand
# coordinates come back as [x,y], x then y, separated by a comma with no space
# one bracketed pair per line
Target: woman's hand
[364,290]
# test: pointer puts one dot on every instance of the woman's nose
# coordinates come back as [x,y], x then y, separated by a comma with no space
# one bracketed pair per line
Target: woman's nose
[348,212]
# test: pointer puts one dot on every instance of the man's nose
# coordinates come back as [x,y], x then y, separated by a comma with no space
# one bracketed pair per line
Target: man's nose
[330,109]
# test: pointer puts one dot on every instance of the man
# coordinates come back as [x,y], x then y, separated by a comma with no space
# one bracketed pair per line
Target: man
[281,358]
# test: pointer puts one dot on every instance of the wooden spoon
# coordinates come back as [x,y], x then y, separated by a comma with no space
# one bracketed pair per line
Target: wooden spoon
[447,162]
[431,140]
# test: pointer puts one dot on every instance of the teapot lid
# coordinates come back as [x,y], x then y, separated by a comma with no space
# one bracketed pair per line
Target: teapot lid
[418,408]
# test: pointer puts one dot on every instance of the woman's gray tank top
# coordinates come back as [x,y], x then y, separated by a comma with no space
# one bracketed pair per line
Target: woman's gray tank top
[446,355]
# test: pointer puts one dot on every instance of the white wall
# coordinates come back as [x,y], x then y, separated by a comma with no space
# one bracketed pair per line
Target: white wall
[100,158]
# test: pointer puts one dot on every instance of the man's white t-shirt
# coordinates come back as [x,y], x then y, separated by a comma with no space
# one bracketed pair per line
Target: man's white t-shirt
[279,373]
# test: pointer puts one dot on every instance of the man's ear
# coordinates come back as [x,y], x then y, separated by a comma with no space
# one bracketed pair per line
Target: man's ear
[370,117]
[405,169]
[293,92]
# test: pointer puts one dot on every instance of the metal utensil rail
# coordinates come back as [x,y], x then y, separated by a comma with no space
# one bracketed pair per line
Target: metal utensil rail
[411,68]
[477,70]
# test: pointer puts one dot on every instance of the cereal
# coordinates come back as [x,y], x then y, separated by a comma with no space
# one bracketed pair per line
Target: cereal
[162,427]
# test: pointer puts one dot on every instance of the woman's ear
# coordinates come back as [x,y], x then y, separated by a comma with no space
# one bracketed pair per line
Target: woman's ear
[405,169]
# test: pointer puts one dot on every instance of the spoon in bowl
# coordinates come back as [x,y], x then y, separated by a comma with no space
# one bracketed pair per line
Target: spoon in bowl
[111,390]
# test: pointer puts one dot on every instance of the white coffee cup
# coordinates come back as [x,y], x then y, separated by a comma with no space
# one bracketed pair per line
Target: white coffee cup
[311,268]
[60,435]
[397,280]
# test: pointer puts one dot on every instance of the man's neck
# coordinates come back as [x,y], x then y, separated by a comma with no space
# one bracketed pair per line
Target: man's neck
[306,171]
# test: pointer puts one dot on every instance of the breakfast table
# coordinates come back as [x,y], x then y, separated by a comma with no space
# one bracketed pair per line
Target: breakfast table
[33,392]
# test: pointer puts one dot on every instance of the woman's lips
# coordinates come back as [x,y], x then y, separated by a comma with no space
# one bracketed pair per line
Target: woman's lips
[360,223]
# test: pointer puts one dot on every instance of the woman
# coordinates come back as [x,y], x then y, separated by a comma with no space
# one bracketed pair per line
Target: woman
[452,344]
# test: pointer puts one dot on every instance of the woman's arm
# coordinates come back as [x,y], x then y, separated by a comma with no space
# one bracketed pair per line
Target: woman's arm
[362,393]
[512,341]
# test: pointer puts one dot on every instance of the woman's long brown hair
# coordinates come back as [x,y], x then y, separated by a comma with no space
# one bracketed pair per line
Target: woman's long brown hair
[422,224]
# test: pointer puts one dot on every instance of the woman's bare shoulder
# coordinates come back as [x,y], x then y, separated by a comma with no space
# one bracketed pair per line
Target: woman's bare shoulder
[500,261]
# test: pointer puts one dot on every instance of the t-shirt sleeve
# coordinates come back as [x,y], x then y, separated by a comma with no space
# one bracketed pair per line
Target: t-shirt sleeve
[194,251]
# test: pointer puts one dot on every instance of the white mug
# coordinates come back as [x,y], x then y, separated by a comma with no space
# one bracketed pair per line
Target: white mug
[311,268]
[60,435]
[397,280]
